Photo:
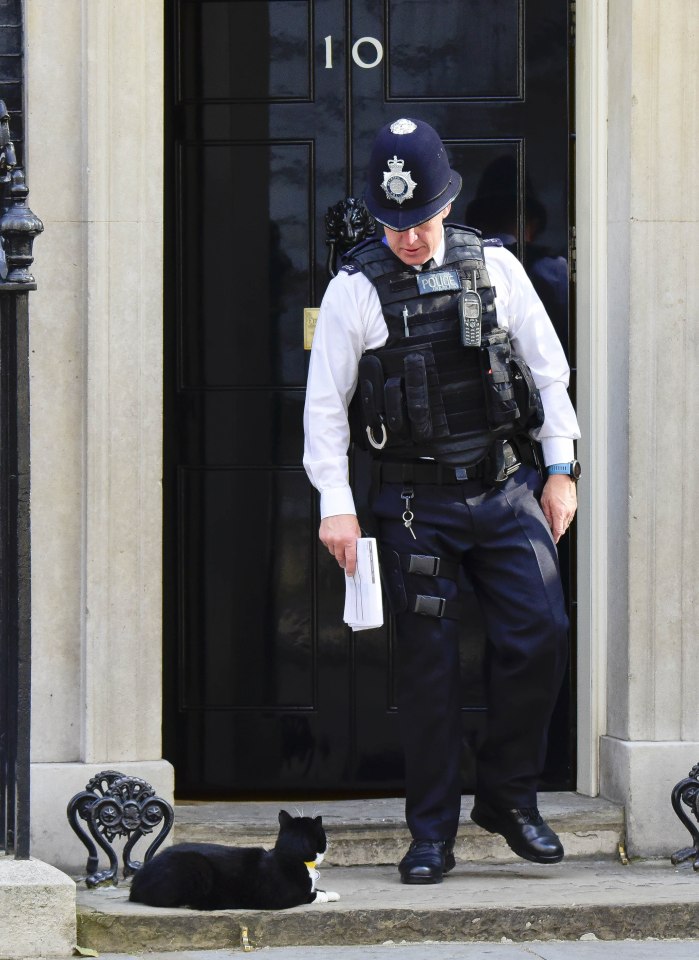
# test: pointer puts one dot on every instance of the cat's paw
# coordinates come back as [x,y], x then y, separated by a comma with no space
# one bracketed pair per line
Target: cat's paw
[325,896]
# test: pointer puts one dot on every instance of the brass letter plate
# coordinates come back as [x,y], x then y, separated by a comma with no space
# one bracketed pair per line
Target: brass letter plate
[310,318]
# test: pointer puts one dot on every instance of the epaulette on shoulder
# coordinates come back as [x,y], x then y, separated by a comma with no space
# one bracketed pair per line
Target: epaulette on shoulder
[493,242]
[359,250]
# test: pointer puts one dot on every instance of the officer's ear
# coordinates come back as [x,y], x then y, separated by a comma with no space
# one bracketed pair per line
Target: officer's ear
[446,211]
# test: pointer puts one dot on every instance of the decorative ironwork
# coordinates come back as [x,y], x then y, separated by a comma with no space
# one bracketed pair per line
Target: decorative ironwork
[346,224]
[114,805]
[8,157]
[18,228]
[687,792]
[18,225]
[21,226]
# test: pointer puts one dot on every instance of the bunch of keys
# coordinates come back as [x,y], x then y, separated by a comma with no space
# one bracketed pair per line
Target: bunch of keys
[408,515]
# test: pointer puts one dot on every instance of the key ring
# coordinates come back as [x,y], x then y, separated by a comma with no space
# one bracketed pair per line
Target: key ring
[408,515]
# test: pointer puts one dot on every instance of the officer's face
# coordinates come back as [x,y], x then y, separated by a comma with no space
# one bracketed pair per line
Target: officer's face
[418,244]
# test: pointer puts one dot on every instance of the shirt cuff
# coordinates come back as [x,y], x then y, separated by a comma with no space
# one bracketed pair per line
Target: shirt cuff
[557,450]
[336,500]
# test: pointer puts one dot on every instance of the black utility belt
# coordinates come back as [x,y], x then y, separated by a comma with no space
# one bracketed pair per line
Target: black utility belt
[504,458]
[421,472]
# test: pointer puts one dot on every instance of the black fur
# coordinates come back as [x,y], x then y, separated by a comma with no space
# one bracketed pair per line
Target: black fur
[211,876]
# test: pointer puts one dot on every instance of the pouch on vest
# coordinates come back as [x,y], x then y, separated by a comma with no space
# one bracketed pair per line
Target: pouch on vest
[527,396]
[396,409]
[501,406]
[395,362]
[417,397]
[372,399]
[399,400]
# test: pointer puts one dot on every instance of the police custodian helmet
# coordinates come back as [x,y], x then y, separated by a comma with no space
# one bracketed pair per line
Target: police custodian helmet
[410,179]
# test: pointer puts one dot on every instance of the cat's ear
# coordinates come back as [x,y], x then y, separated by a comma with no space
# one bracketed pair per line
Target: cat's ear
[318,820]
[284,818]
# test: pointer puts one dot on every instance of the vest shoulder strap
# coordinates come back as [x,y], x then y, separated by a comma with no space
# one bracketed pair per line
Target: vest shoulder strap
[375,259]
[463,243]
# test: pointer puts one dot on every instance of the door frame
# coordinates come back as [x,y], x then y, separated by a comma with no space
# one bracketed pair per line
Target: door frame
[591,105]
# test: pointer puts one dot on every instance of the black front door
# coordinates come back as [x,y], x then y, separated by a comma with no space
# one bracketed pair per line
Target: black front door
[271,110]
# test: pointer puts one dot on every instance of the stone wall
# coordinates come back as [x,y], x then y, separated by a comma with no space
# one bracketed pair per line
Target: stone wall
[95,102]
[653,298]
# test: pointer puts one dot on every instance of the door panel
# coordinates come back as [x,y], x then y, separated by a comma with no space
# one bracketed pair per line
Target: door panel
[260,271]
[272,112]
[463,52]
[245,50]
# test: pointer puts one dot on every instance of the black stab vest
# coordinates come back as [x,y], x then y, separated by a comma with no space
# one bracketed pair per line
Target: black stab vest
[424,394]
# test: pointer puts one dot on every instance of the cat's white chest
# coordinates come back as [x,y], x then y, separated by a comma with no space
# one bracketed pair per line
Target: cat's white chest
[322,896]
[313,872]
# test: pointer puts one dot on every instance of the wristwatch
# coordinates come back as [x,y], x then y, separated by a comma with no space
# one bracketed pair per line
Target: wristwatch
[572,469]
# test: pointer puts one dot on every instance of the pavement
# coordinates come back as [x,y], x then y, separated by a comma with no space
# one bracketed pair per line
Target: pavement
[431,950]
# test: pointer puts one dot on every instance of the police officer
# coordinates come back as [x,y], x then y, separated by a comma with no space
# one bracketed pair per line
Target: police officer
[455,369]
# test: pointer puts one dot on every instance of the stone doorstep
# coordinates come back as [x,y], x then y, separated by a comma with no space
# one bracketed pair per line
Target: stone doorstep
[373,832]
[476,902]
[491,893]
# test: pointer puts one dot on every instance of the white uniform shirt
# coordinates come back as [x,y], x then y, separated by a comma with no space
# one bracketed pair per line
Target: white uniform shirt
[351,321]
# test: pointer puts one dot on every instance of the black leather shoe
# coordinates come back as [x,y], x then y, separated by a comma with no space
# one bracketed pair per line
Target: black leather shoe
[427,861]
[524,830]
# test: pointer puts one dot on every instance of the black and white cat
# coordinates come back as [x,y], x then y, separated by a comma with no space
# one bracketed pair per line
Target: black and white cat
[211,876]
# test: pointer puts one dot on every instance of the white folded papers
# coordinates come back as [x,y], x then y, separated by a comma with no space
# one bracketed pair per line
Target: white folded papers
[363,603]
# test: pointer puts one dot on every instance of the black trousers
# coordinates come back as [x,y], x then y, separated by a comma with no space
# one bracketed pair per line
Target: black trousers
[503,541]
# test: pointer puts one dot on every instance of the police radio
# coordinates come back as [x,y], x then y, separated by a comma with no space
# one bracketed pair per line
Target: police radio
[470,316]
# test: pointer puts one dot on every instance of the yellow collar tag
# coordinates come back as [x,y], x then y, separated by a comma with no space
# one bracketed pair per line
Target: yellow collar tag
[310,864]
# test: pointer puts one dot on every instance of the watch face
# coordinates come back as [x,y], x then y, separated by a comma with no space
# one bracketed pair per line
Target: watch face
[575,469]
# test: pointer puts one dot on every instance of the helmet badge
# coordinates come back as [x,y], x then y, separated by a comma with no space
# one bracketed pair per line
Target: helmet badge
[403,126]
[398,185]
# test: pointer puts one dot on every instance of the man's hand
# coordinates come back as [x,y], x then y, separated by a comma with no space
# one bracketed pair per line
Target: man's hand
[340,534]
[559,501]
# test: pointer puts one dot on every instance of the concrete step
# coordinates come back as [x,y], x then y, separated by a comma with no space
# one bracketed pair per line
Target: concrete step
[492,902]
[373,832]
[490,894]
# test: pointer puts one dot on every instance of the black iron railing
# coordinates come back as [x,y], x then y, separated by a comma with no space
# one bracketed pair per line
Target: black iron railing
[18,227]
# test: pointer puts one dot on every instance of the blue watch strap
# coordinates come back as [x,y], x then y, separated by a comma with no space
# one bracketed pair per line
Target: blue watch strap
[571,469]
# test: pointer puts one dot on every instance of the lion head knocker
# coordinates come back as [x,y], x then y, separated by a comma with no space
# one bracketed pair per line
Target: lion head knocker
[346,224]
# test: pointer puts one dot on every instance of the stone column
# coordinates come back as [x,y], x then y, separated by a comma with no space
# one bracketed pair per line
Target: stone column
[95,99]
[653,668]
